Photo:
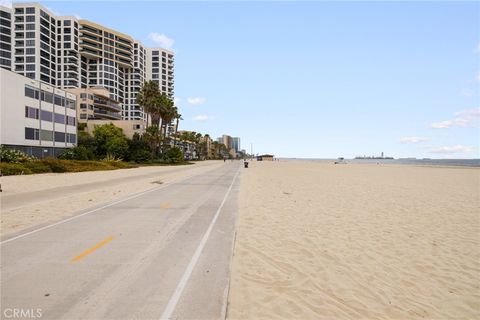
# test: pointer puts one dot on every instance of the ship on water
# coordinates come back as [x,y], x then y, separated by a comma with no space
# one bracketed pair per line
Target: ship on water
[381,157]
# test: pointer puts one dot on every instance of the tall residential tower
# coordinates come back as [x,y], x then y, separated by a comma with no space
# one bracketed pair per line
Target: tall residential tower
[69,53]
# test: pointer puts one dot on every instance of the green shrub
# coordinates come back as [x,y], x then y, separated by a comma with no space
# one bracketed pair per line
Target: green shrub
[140,155]
[77,153]
[13,155]
[173,155]
[8,169]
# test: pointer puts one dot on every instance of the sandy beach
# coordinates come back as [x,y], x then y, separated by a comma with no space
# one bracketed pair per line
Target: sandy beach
[356,241]
[44,198]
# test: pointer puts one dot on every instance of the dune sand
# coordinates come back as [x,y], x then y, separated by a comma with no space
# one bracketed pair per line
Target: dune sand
[357,241]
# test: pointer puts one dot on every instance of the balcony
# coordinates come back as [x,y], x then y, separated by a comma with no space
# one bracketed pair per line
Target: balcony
[103,103]
[104,114]
[90,37]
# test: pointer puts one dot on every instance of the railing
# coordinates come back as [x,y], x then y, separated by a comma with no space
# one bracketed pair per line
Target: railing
[106,114]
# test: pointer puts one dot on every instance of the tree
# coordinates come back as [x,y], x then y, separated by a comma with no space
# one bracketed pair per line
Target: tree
[109,140]
[178,117]
[168,112]
[150,99]
[153,138]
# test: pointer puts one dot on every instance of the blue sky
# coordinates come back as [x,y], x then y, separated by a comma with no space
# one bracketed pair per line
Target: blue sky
[318,79]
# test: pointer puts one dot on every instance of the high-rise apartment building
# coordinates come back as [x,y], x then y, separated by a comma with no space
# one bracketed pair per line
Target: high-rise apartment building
[160,64]
[5,38]
[236,144]
[69,53]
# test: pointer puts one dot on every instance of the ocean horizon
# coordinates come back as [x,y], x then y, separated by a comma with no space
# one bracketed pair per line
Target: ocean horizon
[425,162]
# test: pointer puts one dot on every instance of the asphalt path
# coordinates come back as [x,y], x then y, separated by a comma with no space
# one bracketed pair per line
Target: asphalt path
[161,254]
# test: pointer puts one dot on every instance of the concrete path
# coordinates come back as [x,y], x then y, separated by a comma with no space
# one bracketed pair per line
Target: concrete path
[19,200]
[164,253]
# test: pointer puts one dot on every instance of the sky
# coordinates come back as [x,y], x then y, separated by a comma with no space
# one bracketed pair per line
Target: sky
[317,79]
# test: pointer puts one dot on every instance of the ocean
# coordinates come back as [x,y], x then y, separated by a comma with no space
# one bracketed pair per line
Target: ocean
[422,162]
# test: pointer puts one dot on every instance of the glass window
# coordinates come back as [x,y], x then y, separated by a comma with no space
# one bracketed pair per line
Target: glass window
[59,136]
[30,134]
[46,115]
[70,121]
[71,138]
[46,135]
[59,118]
[31,112]
[58,100]
[30,10]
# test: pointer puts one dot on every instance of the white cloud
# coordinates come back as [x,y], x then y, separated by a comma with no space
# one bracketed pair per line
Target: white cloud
[466,92]
[466,118]
[196,101]
[161,39]
[6,3]
[77,16]
[413,139]
[176,100]
[453,149]
[202,118]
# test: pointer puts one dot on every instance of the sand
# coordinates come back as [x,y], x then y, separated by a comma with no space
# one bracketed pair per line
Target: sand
[356,241]
[67,197]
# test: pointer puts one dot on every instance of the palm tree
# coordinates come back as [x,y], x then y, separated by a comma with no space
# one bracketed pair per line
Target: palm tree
[167,114]
[149,98]
[178,117]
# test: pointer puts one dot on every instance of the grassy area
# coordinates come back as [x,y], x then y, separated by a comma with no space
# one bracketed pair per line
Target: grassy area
[57,165]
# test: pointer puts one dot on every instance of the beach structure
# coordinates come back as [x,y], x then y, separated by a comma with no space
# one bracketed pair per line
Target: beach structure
[265,157]
[67,52]
[36,118]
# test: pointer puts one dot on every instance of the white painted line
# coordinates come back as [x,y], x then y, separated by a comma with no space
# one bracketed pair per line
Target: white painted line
[172,303]
[94,210]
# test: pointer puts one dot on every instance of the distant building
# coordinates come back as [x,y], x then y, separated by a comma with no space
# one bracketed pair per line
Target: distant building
[236,144]
[36,118]
[265,157]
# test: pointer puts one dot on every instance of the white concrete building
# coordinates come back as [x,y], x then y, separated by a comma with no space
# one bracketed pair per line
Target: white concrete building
[36,118]
[160,64]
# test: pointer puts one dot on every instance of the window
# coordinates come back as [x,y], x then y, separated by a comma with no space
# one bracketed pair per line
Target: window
[46,115]
[30,35]
[30,50]
[67,23]
[59,118]
[46,135]
[31,92]
[30,26]
[30,10]
[59,101]
[71,138]
[70,121]
[47,97]
[59,136]
[31,134]
[31,113]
